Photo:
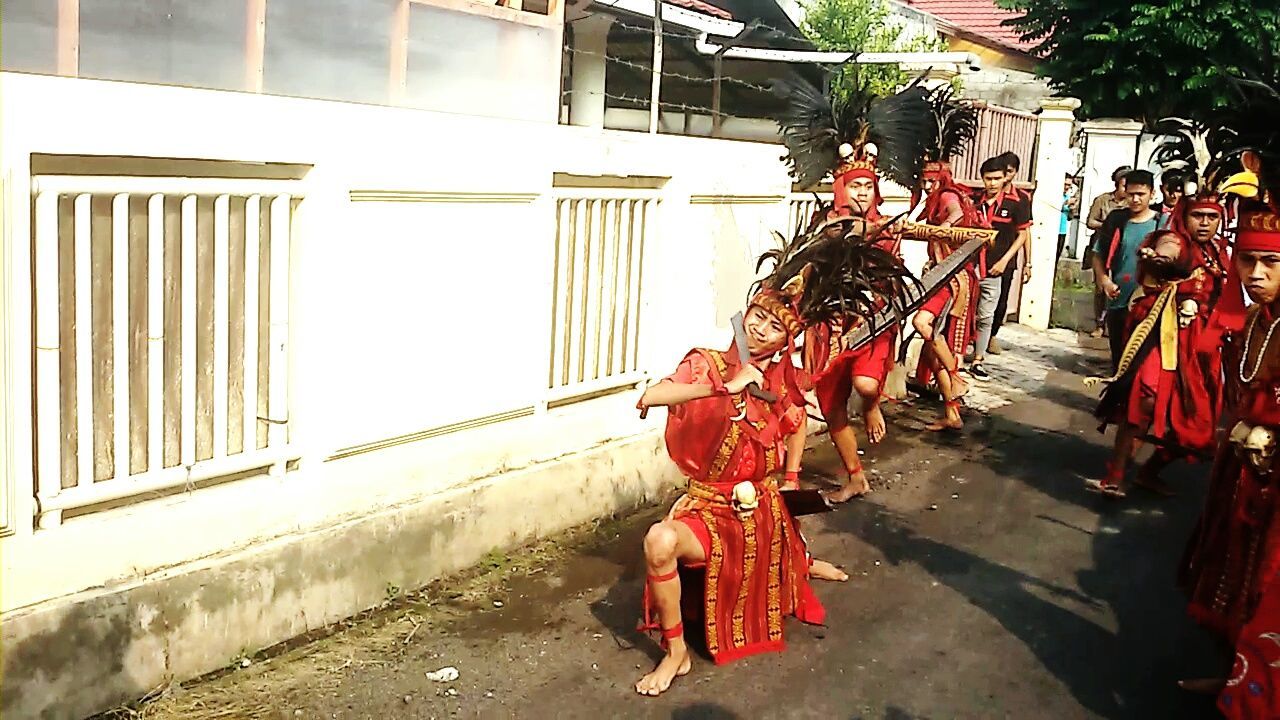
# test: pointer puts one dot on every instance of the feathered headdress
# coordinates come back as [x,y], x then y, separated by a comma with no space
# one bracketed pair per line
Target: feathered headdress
[1246,163]
[1250,137]
[824,279]
[955,125]
[819,134]
[1186,154]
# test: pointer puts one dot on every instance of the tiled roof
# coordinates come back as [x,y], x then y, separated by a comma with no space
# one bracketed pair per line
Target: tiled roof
[979,17]
[702,7]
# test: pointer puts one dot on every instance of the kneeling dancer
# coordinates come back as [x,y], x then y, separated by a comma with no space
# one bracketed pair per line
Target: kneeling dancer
[727,428]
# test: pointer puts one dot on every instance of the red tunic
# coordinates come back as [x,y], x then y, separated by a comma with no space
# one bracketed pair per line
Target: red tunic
[958,327]
[833,368]
[756,564]
[1185,402]
[1233,559]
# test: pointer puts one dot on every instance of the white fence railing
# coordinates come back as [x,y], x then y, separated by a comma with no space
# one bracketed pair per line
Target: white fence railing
[802,208]
[162,322]
[595,296]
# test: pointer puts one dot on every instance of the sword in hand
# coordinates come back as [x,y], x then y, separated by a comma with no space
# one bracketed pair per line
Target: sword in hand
[744,356]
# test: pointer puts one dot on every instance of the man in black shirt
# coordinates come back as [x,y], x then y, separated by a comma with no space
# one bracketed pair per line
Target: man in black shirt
[1009,214]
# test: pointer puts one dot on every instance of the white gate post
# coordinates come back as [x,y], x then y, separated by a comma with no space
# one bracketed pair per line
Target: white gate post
[1108,145]
[1053,163]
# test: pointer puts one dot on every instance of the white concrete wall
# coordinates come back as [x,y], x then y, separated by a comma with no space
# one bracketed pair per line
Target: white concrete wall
[406,316]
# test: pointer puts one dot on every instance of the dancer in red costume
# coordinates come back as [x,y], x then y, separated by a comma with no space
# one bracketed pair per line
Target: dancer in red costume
[728,430]
[876,134]
[945,322]
[1168,388]
[1231,570]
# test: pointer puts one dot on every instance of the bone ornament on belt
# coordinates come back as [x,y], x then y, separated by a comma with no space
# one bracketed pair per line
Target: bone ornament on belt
[953,236]
[1187,311]
[745,498]
[1255,444]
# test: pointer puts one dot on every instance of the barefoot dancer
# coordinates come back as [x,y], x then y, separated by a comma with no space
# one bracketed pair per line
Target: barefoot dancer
[1169,391]
[945,322]
[876,137]
[729,442]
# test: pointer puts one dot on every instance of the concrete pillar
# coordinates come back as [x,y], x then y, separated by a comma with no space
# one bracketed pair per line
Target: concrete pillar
[1108,145]
[1053,162]
[590,46]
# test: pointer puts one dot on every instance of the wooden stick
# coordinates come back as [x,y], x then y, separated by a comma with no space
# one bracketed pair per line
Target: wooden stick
[398,72]
[255,43]
[68,33]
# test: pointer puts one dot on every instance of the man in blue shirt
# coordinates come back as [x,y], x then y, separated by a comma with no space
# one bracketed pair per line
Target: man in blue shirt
[1115,255]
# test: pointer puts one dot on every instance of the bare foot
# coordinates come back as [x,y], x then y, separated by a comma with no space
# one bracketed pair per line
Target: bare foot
[788,485]
[1102,488]
[1203,686]
[856,487]
[674,664]
[824,570]
[876,427]
[946,424]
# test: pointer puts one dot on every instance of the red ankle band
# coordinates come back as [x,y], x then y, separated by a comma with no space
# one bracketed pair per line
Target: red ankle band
[672,633]
[855,469]
[655,579]
[791,476]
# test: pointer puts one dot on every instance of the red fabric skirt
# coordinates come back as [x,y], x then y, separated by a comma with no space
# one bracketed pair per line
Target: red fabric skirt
[1180,407]
[1234,553]
[757,572]
[1253,690]
[834,385]
[936,304]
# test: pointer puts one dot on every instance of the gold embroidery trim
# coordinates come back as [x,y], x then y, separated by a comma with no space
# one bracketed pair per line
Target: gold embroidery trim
[714,564]
[748,569]
[774,607]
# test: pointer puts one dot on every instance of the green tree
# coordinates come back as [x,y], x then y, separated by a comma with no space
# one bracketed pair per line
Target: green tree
[1147,59]
[865,26]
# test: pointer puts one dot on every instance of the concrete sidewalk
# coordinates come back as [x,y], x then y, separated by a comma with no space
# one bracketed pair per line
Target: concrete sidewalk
[986,583]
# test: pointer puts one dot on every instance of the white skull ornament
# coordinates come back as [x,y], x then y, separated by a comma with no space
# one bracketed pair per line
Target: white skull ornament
[1187,312]
[745,499]
[1260,448]
[1239,433]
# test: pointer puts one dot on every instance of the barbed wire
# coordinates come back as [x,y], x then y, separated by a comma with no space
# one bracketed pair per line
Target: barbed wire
[661,103]
[647,69]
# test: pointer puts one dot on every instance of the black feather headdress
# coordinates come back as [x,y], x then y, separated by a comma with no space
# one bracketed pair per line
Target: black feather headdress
[1251,129]
[835,278]
[813,128]
[955,125]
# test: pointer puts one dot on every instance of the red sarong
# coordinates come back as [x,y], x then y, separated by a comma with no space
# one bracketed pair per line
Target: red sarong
[834,369]
[756,563]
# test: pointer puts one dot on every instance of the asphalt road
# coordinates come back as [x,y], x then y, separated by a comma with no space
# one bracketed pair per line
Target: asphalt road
[986,584]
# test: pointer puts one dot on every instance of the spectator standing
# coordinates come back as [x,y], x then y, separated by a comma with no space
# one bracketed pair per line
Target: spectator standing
[1115,254]
[1102,206]
[1010,216]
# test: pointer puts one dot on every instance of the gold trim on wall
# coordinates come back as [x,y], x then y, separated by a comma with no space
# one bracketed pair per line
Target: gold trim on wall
[431,196]
[472,424]
[736,199]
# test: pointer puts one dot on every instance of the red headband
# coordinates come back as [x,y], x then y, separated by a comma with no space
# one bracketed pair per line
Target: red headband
[865,169]
[1259,232]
